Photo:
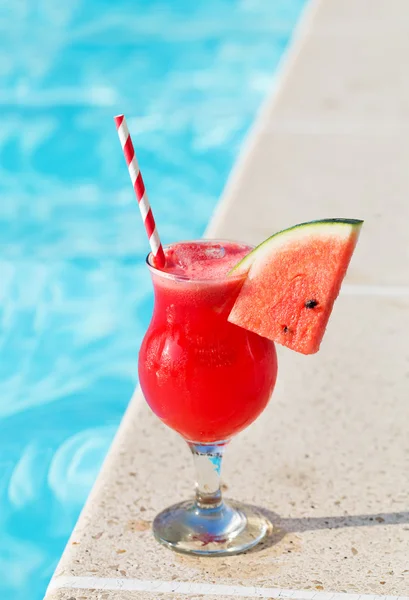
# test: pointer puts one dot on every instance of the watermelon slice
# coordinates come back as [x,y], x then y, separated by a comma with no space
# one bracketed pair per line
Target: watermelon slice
[293,280]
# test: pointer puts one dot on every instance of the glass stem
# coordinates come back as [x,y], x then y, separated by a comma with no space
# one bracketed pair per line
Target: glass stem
[207,459]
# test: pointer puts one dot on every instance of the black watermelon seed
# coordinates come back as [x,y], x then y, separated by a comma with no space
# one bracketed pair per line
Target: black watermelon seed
[311,304]
[285,329]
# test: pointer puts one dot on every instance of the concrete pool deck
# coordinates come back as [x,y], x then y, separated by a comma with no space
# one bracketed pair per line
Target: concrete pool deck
[329,458]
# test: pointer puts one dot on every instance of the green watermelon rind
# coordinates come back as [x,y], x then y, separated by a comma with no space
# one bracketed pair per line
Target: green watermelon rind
[286,236]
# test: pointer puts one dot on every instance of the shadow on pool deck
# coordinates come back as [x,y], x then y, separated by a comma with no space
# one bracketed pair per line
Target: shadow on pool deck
[282,527]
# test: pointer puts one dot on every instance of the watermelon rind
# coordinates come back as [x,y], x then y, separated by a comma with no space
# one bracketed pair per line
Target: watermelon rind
[319,228]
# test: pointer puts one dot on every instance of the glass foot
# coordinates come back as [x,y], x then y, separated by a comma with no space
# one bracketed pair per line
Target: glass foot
[229,528]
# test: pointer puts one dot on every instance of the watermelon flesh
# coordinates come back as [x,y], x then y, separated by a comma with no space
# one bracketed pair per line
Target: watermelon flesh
[293,279]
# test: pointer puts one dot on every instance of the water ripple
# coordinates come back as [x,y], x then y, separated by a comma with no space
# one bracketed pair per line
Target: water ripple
[28,476]
[76,463]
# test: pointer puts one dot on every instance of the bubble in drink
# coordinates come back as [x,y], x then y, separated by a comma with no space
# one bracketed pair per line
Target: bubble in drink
[215,252]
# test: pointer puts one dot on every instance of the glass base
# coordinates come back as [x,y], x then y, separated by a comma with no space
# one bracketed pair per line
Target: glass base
[222,530]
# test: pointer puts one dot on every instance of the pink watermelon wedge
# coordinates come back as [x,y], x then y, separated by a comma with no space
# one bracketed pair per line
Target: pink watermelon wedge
[293,280]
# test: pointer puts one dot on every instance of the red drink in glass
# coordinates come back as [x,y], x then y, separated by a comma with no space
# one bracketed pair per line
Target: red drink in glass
[203,376]
[207,379]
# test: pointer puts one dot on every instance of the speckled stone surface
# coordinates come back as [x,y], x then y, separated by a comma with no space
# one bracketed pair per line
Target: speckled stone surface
[71,594]
[329,459]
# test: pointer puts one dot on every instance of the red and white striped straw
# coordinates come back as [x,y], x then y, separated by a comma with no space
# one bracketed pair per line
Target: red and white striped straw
[139,187]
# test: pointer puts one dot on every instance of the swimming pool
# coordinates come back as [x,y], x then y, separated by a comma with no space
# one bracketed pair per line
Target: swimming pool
[75,297]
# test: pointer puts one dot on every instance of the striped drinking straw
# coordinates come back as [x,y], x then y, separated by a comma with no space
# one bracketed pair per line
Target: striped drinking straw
[141,195]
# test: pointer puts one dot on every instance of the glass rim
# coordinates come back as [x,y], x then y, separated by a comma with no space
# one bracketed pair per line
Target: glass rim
[185,279]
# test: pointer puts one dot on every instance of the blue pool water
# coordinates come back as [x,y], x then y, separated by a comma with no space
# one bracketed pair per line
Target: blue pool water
[74,295]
